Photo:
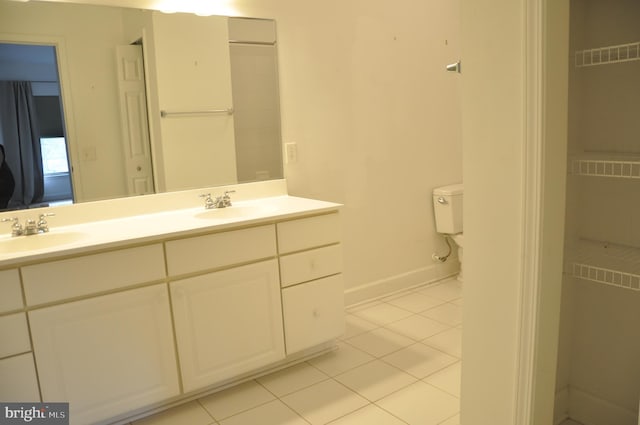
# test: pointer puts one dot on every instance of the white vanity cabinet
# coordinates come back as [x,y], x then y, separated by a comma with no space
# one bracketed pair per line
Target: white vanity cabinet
[107,355]
[120,330]
[312,294]
[227,322]
[16,360]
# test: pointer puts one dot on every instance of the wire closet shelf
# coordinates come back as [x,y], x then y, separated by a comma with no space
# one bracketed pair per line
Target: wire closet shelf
[602,167]
[606,263]
[607,55]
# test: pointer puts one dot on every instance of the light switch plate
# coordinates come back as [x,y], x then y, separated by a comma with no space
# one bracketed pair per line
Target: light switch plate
[291,152]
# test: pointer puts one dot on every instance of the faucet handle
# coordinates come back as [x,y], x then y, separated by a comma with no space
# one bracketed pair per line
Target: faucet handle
[226,199]
[208,202]
[16,227]
[43,226]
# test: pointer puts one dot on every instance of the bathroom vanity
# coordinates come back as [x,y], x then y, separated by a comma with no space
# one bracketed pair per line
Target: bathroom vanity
[126,315]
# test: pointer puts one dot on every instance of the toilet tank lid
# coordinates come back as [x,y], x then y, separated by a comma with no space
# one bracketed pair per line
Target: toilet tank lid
[452,189]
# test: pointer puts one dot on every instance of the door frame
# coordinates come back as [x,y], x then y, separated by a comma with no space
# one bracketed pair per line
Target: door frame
[545,69]
[65,93]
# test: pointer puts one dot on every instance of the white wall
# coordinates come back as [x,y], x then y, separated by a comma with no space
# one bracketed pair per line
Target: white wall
[493,130]
[376,118]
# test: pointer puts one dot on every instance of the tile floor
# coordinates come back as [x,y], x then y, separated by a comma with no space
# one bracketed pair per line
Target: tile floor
[398,363]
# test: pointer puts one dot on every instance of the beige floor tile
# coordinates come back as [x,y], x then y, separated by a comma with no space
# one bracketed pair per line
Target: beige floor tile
[447,291]
[420,360]
[454,420]
[380,342]
[369,415]
[190,413]
[345,358]
[272,413]
[421,404]
[414,302]
[355,326]
[375,380]
[449,314]
[417,327]
[236,399]
[382,313]
[292,379]
[449,341]
[324,402]
[447,379]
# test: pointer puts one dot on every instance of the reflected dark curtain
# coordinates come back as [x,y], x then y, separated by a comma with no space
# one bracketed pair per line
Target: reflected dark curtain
[20,135]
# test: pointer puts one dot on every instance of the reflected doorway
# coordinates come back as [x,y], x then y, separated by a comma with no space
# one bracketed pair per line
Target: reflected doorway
[45,179]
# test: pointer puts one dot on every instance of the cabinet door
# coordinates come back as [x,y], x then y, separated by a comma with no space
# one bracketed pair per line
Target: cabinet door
[18,381]
[14,334]
[227,323]
[106,355]
[313,313]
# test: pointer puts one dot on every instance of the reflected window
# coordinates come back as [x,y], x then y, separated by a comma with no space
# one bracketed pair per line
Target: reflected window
[54,155]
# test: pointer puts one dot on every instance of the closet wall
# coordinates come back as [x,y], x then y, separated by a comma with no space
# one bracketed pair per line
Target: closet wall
[599,358]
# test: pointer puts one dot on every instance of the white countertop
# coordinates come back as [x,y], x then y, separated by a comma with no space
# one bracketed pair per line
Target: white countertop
[145,228]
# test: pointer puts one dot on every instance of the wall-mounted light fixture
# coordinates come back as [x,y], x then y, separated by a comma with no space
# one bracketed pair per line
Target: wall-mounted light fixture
[198,7]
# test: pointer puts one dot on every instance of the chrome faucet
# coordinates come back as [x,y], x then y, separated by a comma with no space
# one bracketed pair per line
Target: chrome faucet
[208,202]
[226,199]
[43,225]
[16,227]
[222,201]
[31,227]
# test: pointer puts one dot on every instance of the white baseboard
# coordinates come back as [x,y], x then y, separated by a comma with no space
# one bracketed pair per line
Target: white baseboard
[591,410]
[402,281]
[561,406]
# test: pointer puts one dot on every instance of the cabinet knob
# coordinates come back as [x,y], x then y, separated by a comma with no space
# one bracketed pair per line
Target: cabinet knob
[316,313]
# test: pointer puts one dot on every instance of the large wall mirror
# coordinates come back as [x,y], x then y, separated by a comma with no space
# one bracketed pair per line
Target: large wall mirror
[100,102]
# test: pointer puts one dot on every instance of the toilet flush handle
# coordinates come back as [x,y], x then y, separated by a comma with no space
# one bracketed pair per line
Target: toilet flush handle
[442,201]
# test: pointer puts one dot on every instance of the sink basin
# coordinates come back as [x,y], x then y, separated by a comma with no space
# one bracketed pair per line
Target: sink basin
[10,245]
[234,211]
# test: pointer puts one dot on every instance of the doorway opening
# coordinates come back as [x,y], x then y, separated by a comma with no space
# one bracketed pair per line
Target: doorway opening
[32,131]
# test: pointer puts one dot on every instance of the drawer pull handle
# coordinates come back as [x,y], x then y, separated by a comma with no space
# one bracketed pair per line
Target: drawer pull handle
[316,313]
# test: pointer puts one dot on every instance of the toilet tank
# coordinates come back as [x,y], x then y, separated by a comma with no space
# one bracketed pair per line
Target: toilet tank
[447,206]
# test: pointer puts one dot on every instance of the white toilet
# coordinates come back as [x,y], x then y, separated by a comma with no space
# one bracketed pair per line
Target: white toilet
[447,205]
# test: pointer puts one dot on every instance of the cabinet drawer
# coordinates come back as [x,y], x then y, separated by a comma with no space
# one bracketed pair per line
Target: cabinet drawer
[92,274]
[19,381]
[220,249]
[305,233]
[14,334]
[310,265]
[10,292]
[313,313]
